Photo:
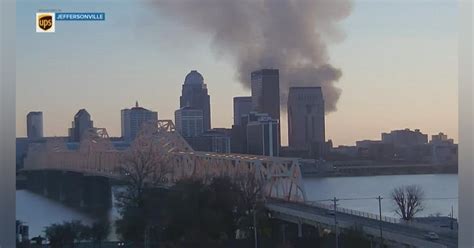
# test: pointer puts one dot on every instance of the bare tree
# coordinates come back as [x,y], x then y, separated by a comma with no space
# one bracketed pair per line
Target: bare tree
[408,200]
[251,189]
[142,167]
[251,197]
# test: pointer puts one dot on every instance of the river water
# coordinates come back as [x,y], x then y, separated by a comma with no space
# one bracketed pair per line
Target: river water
[441,192]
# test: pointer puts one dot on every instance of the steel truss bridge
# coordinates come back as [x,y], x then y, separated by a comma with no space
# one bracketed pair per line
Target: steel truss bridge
[279,177]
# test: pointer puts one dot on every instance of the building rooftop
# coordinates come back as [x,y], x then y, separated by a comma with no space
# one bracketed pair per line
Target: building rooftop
[82,112]
[305,87]
[194,78]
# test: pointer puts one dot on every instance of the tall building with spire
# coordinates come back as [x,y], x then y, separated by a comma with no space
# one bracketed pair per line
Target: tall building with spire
[194,95]
[133,119]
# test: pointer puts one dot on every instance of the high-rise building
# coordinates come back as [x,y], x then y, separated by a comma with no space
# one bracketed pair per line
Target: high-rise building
[238,139]
[306,124]
[263,136]
[266,92]
[239,132]
[242,106]
[82,122]
[34,125]
[189,121]
[133,119]
[194,94]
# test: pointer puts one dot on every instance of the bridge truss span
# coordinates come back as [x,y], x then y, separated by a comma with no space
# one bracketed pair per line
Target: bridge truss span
[276,177]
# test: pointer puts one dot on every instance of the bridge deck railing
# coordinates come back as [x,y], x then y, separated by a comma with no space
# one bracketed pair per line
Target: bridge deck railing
[355,212]
[412,224]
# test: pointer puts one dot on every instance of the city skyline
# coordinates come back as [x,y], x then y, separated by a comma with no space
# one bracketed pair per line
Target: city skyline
[408,72]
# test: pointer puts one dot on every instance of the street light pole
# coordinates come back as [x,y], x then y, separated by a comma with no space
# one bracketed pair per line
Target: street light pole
[452,217]
[255,227]
[380,218]
[335,221]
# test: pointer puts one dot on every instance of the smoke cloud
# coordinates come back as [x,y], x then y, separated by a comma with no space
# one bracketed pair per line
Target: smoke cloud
[289,35]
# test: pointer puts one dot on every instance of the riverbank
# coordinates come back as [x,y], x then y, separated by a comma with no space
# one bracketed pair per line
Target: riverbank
[378,170]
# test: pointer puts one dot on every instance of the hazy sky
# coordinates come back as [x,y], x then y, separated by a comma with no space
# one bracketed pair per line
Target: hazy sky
[399,64]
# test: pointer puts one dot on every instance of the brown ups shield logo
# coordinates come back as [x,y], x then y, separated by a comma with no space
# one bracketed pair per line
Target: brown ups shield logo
[45,22]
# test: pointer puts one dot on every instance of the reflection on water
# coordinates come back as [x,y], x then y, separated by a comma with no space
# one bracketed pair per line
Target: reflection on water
[39,212]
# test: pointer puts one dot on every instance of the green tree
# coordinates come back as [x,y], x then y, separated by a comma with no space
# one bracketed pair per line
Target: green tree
[199,212]
[67,234]
[98,232]
[354,238]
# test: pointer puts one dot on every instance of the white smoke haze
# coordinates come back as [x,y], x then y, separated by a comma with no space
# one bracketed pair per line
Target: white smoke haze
[289,35]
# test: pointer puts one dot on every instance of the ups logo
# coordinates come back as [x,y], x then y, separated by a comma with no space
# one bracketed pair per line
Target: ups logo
[44,22]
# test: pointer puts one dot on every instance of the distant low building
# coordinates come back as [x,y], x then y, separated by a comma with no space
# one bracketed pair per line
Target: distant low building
[405,137]
[445,154]
[444,151]
[344,152]
[378,151]
[286,151]
[215,140]
[441,138]
[366,143]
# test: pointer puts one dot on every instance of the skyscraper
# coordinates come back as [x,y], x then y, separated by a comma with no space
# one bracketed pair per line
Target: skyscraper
[82,122]
[306,123]
[242,106]
[189,122]
[34,125]
[194,94]
[133,119]
[266,92]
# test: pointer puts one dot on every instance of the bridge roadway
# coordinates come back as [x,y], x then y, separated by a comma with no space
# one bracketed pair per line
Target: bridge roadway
[397,234]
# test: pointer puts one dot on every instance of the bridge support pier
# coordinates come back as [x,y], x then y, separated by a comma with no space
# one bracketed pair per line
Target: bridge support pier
[90,193]
[82,202]
[45,191]
[44,184]
[300,229]
[62,196]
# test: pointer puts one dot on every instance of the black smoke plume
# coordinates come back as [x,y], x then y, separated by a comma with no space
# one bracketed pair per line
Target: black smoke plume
[289,35]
